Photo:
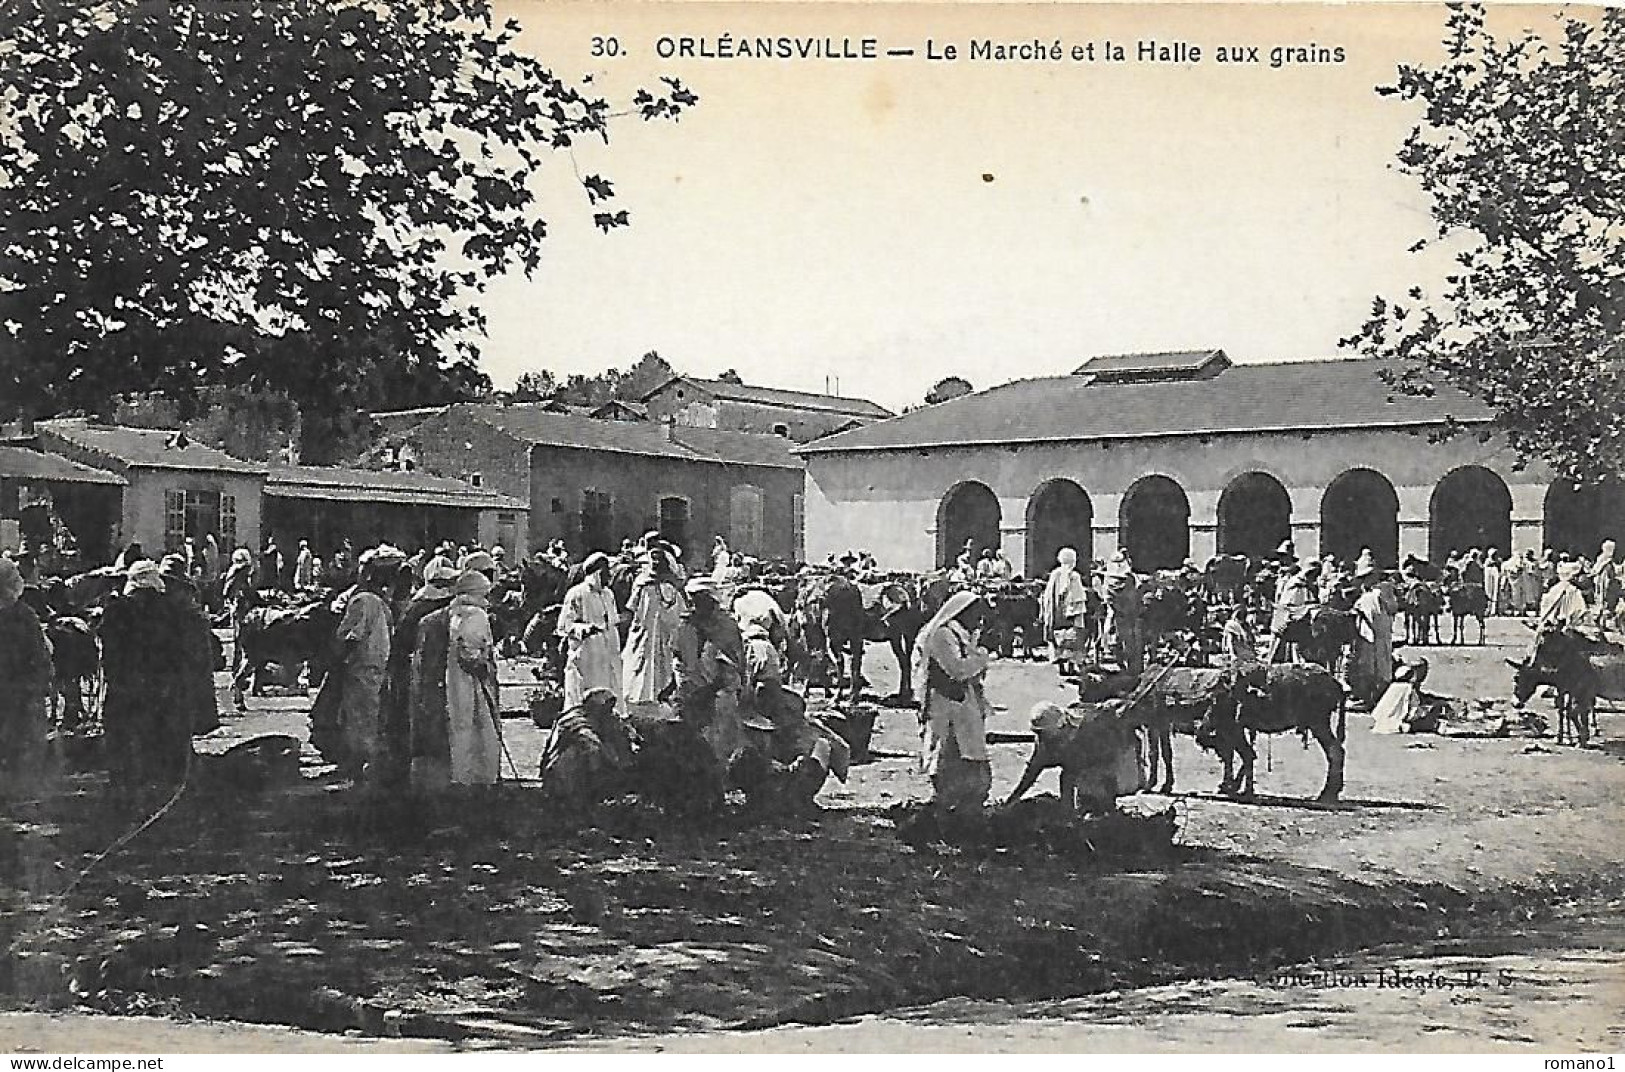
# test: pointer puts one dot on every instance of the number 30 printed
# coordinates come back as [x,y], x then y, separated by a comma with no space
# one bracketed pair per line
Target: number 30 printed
[606,46]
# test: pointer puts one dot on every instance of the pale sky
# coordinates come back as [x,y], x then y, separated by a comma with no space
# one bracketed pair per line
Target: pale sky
[813,219]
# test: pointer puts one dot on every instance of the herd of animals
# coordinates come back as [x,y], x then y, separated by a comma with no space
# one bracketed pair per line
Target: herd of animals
[833,617]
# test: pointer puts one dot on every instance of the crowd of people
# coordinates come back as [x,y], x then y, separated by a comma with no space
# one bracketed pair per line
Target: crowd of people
[157,658]
[1092,616]
[410,694]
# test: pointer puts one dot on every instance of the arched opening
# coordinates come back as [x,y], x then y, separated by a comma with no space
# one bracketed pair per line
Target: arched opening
[1255,516]
[1471,507]
[1360,509]
[1578,519]
[1155,524]
[969,512]
[1058,515]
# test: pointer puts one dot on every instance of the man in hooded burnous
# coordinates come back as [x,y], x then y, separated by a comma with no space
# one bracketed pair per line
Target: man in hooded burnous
[146,722]
[1065,611]
[455,732]
[657,607]
[949,667]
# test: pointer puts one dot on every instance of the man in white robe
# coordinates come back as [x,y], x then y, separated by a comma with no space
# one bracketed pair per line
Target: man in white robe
[1564,605]
[304,569]
[589,622]
[756,607]
[1065,610]
[657,607]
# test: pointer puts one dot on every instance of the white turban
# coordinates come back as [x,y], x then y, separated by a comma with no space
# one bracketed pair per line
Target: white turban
[143,574]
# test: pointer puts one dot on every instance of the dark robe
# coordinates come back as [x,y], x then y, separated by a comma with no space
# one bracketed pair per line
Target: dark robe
[195,642]
[146,719]
[397,698]
[430,735]
[25,675]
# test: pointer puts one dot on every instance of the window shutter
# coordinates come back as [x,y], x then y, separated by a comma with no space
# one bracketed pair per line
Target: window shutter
[228,523]
[174,519]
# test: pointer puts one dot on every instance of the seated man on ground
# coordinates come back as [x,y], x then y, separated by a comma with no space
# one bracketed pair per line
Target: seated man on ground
[793,754]
[589,755]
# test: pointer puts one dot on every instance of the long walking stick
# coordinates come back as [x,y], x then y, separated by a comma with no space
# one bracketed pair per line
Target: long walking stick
[488,691]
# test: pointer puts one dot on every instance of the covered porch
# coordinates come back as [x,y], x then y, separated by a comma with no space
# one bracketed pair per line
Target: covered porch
[410,510]
[66,515]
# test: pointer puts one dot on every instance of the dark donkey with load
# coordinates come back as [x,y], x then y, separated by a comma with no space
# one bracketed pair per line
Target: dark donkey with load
[1225,709]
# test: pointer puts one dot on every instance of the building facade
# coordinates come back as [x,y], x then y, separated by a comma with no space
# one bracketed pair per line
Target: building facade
[410,510]
[800,416]
[41,494]
[1182,456]
[593,483]
[114,485]
[175,486]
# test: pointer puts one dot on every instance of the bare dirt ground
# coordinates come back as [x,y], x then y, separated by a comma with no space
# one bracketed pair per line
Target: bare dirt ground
[487,921]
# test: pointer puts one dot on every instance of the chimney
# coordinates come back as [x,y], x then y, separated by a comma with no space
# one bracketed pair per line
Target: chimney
[476,479]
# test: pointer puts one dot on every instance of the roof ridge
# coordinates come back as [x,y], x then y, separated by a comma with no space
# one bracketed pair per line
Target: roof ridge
[720,386]
[1329,393]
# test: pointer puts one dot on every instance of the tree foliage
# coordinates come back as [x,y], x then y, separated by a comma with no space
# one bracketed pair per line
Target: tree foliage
[579,389]
[536,386]
[304,197]
[952,387]
[1519,152]
[730,376]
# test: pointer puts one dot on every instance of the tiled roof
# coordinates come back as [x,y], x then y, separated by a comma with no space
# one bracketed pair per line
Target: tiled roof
[24,464]
[532,424]
[370,485]
[1287,396]
[394,422]
[774,396]
[636,409]
[1171,361]
[145,447]
[740,448]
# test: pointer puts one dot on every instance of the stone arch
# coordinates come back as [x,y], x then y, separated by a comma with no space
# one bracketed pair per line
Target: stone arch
[970,511]
[1059,514]
[1577,519]
[1255,515]
[1470,507]
[1154,524]
[1360,509]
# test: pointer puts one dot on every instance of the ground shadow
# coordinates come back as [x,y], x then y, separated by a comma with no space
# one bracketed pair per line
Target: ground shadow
[1265,800]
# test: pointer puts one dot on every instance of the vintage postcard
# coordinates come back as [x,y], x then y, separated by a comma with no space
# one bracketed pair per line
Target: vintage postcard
[811,527]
